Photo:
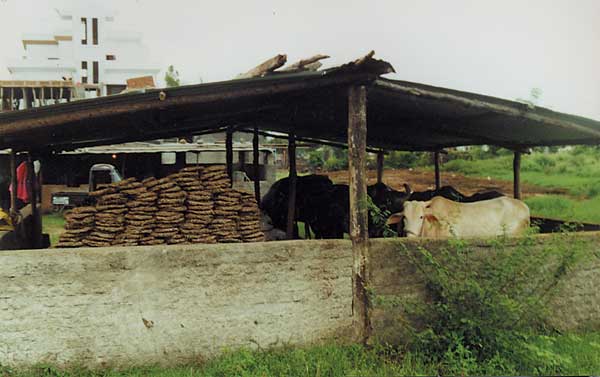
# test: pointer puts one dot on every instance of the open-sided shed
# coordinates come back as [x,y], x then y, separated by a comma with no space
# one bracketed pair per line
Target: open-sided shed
[349,106]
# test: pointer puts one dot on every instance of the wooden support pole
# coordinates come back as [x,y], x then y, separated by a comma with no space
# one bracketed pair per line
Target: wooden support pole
[292,189]
[517,175]
[380,167]
[256,165]
[13,183]
[438,178]
[229,153]
[357,156]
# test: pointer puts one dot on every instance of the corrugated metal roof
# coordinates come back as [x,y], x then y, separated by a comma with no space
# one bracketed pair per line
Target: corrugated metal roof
[401,115]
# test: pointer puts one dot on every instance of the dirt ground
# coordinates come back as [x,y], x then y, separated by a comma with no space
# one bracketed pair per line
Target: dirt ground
[420,180]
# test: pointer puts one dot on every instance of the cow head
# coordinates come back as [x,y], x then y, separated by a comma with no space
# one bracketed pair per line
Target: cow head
[387,198]
[414,216]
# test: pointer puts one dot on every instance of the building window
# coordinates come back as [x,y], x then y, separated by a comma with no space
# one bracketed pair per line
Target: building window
[84,31]
[95,31]
[111,57]
[95,64]
[84,73]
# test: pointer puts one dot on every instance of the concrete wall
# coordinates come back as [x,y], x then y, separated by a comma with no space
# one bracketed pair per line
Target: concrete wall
[576,305]
[170,304]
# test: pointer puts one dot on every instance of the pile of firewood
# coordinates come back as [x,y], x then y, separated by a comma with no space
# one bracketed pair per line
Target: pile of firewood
[194,205]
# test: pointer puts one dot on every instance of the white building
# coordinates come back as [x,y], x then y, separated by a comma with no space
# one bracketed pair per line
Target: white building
[84,46]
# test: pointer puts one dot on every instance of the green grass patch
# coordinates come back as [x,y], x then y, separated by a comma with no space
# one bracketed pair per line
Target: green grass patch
[551,355]
[323,360]
[577,173]
[564,208]
[53,224]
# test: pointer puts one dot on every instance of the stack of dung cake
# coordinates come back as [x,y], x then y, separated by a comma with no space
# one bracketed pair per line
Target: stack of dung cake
[194,205]
[224,224]
[199,205]
[215,178]
[249,219]
[109,219]
[171,210]
[79,222]
[139,219]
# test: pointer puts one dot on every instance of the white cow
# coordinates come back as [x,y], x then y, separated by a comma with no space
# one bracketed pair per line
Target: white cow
[443,218]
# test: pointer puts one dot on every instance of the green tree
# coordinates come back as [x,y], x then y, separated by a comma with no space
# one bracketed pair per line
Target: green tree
[172,77]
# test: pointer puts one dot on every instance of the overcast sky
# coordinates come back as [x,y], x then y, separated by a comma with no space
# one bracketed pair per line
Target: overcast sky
[502,48]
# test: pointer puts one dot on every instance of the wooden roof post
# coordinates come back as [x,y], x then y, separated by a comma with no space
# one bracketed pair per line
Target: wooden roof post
[380,156]
[438,177]
[256,165]
[229,154]
[357,156]
[292,189]
[517,175]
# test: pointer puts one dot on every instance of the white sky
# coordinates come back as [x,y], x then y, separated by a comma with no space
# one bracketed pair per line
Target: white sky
[502,48]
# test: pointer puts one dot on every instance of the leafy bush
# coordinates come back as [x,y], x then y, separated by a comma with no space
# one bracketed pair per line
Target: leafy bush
[482,310]
[315,159]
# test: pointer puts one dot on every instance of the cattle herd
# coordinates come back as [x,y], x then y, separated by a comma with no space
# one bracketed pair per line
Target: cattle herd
[324,208]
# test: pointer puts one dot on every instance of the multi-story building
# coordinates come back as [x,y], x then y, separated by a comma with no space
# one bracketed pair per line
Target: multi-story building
[87,48]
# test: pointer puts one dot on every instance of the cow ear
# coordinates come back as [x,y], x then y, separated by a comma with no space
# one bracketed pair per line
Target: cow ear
[431,218]
[395,218]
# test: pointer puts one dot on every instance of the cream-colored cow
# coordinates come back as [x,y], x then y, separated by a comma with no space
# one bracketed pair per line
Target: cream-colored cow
[443,218]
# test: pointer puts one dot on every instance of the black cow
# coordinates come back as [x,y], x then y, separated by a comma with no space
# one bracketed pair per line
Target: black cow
[309,198]
[323,206]
[451,193]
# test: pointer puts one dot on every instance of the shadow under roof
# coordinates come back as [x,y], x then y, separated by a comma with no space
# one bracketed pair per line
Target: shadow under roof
[401,115]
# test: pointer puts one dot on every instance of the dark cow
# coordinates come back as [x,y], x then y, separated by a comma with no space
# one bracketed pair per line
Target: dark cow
[309,198]
[323,206]
[451,193]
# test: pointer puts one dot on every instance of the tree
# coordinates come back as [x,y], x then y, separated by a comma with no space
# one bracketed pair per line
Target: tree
[172,77]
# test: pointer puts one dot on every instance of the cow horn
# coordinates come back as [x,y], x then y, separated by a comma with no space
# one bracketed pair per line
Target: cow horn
[407,189]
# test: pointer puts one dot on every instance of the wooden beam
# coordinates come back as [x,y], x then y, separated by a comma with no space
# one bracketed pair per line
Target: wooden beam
[229,153]
[357,156]
[309,64]
[292,189]
[13,184]
[517,175]
[380,167]
[265,67]
[256,165]
[438,177]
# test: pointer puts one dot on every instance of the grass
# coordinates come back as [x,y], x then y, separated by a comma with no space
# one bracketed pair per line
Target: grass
[576,171]
[578,174]
[564,208]
[560,355]
[53,224]
[323,360]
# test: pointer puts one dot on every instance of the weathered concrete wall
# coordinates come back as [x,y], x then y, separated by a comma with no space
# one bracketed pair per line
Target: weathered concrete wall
[576,305]
[170,304]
